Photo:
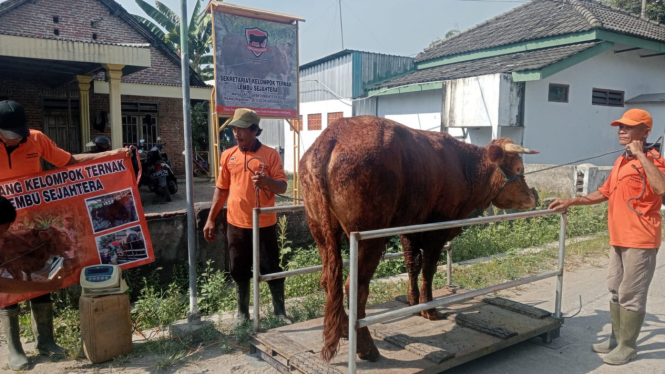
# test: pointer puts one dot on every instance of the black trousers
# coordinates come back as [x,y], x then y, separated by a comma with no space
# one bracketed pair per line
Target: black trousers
[239,243]
[44,299]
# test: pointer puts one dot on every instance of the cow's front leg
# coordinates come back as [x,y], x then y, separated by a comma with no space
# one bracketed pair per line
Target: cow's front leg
[431,257]
[413,262]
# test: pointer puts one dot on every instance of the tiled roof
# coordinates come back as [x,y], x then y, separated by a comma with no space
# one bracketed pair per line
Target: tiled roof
[627,23]
[117,10]
[541,19]
[522,61]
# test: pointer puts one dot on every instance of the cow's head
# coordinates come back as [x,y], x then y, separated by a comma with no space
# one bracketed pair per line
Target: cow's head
[508,178]
[59,240]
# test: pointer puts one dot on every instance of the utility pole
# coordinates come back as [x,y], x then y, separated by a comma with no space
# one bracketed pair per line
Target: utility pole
[341,26]
[193,317]
[644,9]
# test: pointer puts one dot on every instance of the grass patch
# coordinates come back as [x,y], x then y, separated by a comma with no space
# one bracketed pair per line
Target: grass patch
[158,305]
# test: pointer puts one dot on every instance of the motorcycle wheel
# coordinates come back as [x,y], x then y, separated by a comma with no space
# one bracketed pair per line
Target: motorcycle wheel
[166,194]
[172,187]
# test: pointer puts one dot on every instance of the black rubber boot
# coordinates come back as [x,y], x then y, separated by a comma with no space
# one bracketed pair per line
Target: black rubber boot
[17,358]
[242,295]
[42,327]
[277,292]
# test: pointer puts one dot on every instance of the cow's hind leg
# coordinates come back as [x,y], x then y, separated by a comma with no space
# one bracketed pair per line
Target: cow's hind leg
[431,255]
[413,260]
[369,255]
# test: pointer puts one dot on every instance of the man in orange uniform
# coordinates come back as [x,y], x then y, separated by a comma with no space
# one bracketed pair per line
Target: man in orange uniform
[21,150]
[634,223]
[244,169]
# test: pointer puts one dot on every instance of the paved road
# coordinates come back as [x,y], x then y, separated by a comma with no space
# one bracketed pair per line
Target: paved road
[203,192]
[574,355]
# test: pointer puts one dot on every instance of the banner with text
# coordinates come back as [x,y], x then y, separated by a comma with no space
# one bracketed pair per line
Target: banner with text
[73,217]
[256,66]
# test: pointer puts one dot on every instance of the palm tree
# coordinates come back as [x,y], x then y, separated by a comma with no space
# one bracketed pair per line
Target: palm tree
[199,33]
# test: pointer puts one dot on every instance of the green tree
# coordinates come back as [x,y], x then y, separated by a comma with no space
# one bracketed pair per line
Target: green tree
[199,33]
[200,126]
[655,8]
[449,34]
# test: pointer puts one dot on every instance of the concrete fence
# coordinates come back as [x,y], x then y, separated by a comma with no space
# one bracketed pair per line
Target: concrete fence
[567,181]
[168,232]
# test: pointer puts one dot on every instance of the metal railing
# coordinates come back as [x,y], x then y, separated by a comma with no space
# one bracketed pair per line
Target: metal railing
[257,278]
[355,237]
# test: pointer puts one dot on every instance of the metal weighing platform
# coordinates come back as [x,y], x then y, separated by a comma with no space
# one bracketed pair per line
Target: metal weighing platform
[413,344]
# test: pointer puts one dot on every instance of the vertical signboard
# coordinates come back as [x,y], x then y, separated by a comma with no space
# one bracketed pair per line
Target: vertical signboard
[256,61]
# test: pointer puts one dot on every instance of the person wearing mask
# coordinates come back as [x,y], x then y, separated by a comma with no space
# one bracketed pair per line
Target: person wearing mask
[21,151]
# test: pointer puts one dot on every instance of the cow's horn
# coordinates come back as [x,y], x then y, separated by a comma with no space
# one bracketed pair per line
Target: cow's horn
[514,148]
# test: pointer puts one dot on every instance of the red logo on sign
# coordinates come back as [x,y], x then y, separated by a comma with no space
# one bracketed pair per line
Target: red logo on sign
[257,41]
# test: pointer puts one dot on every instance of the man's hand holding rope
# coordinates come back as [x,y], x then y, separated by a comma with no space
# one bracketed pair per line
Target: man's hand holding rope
[654,175]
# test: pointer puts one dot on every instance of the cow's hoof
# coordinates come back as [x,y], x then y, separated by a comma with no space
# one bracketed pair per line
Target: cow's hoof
[372,356]
[432,315]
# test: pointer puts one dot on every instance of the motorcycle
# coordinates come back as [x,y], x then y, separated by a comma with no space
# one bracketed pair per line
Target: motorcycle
[157,172]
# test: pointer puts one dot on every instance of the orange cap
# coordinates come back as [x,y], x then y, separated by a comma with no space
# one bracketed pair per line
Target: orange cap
[634,117]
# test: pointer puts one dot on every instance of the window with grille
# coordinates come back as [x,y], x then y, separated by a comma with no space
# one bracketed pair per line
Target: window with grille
[139,121]
[297,123]
[607,97]
[334,116]
[314,121]
[558,93]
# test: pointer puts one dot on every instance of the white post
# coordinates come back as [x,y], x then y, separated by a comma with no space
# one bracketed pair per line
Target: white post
[353,301]
[562,254]
[255,266]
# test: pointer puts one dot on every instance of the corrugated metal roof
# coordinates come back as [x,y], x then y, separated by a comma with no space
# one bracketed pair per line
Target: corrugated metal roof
[326,58]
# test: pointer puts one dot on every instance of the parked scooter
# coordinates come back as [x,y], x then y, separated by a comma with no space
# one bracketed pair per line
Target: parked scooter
[157,172]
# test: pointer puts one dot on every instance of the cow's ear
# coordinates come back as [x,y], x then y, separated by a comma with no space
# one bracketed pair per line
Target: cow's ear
[495,153]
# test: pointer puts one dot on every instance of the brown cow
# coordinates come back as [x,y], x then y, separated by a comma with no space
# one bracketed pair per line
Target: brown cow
[367,173]
[28,251]
[120,210]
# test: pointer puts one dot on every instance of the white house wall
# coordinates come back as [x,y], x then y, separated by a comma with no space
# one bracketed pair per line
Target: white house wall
[419,110]
[565,132]
[307,137]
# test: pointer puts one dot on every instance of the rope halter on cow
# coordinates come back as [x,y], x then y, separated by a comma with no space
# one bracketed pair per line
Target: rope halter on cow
[513,148]
[507,179]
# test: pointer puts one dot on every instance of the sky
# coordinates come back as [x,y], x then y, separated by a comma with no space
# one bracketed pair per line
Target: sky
[397,27]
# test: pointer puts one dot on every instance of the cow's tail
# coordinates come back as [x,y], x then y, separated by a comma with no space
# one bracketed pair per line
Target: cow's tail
[332,279]
[335,316]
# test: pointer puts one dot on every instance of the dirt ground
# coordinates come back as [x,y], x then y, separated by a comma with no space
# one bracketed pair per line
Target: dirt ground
[570,353]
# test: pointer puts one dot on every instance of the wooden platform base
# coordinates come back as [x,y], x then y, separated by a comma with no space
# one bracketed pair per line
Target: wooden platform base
[413,344]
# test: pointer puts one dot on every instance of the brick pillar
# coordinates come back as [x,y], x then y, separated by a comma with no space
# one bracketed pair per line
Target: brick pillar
[113,75]
[84,108]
